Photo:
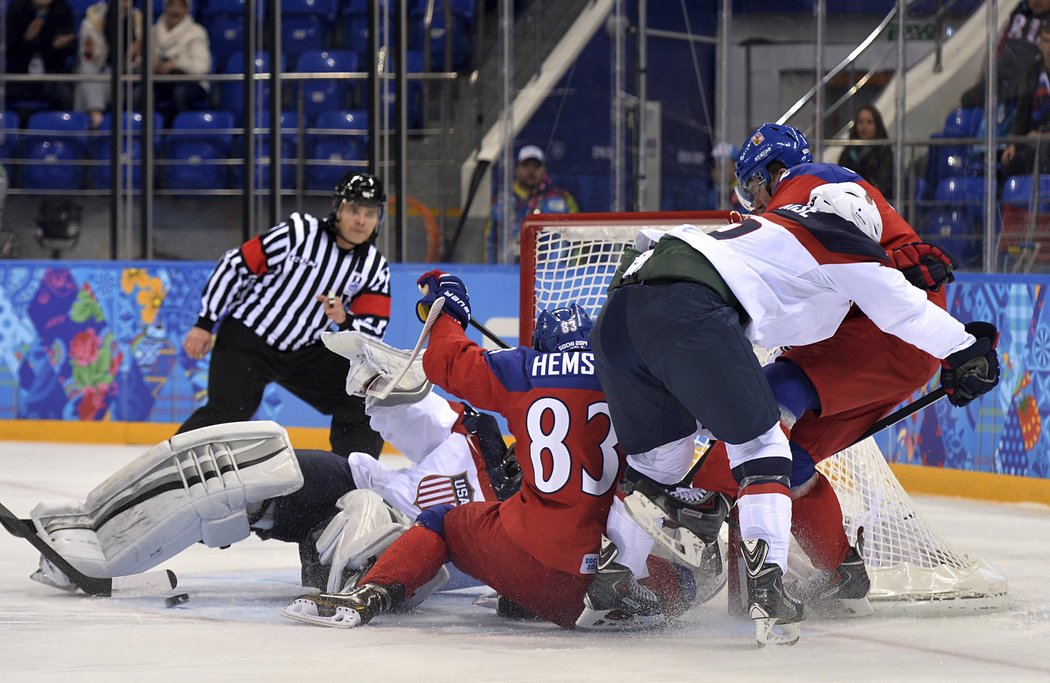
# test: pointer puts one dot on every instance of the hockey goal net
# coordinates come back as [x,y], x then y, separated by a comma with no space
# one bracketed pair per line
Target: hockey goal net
[567,258]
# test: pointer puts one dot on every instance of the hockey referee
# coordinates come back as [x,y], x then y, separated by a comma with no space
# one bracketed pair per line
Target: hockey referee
[276,293]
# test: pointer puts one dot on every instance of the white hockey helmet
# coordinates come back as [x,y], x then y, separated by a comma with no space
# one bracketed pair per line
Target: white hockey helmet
[852,202]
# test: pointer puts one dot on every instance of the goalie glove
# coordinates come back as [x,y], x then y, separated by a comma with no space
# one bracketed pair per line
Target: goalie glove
[924,265]
[972,371]
[436,283]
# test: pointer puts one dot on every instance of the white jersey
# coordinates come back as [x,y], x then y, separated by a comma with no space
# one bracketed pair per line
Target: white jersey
[797,272]
[444,468]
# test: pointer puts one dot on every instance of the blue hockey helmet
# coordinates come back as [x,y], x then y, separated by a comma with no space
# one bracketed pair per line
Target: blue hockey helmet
[562,329]
[769,142]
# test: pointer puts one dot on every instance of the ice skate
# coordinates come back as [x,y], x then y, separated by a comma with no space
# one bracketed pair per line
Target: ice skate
[775,613]
[348,610]
[616,601]
[684,520]
[841,592]
[50,575]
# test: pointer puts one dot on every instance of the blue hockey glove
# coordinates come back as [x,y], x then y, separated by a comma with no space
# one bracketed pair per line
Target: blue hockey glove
[436,283]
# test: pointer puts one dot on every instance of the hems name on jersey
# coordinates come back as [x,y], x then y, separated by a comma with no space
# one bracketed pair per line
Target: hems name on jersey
[555,364]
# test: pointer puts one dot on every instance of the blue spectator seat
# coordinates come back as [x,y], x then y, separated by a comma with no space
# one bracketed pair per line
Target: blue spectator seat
[231,93]
[1020,191]
[963,122]
[231,8]
[324,9]
[353,27]
[462,22]
[197,141]
[54,145]
[954,231]
[326,94]
[131,151]
[414,91]
[226,36]
[300,33]
[263,141]
[342,137]
[958,217]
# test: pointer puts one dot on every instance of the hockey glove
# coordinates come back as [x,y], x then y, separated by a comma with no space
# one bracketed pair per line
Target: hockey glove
[924,265]
[973,371]
[436,283]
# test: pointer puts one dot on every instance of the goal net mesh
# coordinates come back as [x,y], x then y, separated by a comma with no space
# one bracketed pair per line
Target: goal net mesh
[572,258]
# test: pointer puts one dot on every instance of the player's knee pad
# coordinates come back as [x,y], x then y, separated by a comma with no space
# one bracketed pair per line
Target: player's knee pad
[433,518]
[364,527]
[194,487]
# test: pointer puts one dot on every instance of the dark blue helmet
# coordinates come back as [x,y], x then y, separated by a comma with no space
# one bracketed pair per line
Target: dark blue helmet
[770,142]
[562,329]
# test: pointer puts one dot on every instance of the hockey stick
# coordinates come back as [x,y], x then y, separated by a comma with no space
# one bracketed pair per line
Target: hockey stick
[886,422]
[489,333]
[432,316]
[149,583]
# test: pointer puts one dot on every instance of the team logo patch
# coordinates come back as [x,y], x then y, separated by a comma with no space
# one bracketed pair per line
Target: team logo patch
[758,139]
[356,281]
[437,489]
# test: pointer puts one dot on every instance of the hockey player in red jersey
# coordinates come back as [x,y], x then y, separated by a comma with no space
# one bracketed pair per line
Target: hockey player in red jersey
[539,548]
[835,389]
[673,350]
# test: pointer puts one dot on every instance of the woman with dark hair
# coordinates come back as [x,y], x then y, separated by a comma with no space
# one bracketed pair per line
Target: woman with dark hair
[874,163]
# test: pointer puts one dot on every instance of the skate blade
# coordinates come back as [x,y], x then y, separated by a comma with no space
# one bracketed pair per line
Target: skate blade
[768,631]
[592,619]
[304,610]
[840,608]
[680,542]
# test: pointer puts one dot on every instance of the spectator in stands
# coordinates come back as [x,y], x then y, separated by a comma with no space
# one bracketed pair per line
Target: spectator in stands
[873,163]
[1033,120]
[98,31]
[1018,56]
[180,46]
[40,40]
[534,192]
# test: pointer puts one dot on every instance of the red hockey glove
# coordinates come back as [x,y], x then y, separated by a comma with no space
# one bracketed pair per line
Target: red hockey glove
[924,265]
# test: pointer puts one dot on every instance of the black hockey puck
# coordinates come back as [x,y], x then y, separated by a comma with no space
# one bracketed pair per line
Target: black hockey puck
[177,599]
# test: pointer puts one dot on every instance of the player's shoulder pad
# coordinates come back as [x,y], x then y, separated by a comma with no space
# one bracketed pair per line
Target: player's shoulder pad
[843,240]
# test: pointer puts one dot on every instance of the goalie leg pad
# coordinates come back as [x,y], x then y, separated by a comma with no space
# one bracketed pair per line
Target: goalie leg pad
[191,488]
[364,527]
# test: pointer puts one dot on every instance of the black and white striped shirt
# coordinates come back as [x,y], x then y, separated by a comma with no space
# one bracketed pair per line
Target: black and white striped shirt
[270,282]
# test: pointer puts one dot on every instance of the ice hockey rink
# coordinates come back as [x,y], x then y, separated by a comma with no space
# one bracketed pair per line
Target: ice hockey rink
[231,630]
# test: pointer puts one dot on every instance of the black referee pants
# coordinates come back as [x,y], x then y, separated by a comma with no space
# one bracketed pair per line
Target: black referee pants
[242,364]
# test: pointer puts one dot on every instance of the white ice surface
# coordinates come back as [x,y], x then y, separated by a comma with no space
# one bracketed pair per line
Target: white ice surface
[230,630]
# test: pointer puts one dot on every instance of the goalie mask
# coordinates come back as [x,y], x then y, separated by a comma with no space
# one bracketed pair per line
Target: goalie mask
[852,202]
[770,142]
[562,329]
